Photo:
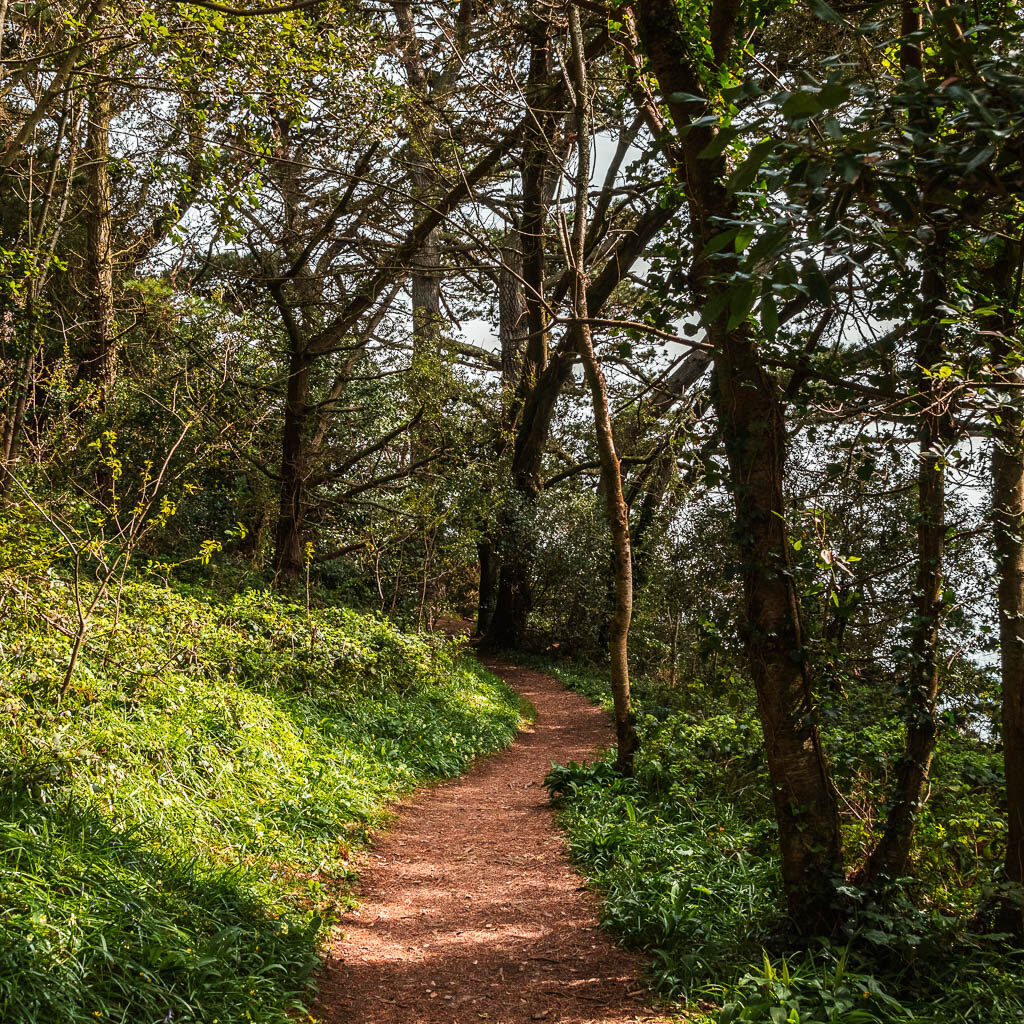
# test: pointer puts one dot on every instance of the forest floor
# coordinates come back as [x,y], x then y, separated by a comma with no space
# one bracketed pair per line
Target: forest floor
[470,910]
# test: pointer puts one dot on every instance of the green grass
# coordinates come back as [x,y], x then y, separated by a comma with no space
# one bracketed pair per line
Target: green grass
[685,858]
[176,834]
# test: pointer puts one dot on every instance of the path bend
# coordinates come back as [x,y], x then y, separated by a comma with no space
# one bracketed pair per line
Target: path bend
[469,908]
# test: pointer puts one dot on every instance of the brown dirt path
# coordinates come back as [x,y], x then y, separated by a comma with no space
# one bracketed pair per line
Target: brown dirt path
[470,911]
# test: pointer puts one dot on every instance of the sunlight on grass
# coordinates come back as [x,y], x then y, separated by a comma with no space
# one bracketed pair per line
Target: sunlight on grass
[175,834]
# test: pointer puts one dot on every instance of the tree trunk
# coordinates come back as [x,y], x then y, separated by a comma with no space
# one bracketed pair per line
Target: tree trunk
[99,359]
[752,426]
[530,409]
[1008,513]
[1008,530]
[512,336]
[425,265]
[674,654]
[515,534]
[488,584]
[753,429]
[618,511]
[99,363]
[290,553]
[891,856]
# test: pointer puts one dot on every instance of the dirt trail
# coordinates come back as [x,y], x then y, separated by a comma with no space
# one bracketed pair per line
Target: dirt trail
[470,910]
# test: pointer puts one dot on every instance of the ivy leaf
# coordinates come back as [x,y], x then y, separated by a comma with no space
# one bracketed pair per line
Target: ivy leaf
[741,298]
[802,103]
[686,97]
[719,241]
[716,147]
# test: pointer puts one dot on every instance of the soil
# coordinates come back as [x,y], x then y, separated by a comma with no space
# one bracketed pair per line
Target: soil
[469,908]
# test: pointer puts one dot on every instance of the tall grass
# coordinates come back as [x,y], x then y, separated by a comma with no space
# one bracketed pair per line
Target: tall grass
[177,833]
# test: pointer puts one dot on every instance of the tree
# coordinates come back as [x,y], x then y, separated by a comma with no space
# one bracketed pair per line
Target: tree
[752,422]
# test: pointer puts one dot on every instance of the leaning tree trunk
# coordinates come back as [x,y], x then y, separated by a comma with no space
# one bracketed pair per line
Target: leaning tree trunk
[618,511]
[754,433]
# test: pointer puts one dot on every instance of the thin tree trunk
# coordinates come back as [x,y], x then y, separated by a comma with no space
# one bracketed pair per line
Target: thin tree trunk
[1008,524]
[674,656]
[891,856]
[618,511]
[290,554]
[100,361]
[1008,511]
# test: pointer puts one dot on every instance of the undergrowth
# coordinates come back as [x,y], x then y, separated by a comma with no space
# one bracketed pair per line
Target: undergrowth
[177,831]
[685,857]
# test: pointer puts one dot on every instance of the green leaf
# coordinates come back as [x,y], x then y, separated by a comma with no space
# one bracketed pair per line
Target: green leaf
[826,13]
[740,300]
[743,237]
[686,97]
[803,103]
[747,171]
[769,313]
[716,147]
[719,241]
[818,288]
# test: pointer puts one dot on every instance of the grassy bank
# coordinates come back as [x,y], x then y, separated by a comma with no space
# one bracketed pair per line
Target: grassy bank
[685,858]
[178,830]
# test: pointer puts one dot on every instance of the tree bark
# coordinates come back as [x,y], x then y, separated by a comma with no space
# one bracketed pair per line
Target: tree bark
[1008,511]
[891,856]
[753,429]
[1008,535]
[425,264]
[99,363]
[290,553]
[488,584]
[627,741]
[515,530]
[751,422]
[512,337]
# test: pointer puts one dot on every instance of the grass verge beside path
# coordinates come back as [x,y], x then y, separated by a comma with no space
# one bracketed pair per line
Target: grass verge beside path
[685,858]
[175,833]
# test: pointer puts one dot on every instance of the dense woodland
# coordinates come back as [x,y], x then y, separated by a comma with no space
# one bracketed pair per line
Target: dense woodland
[675,343]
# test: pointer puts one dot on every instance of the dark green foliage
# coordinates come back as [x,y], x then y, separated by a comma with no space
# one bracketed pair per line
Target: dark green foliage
[686,859]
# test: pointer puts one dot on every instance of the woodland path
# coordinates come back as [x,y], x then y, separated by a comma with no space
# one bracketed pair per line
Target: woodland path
[469,909]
